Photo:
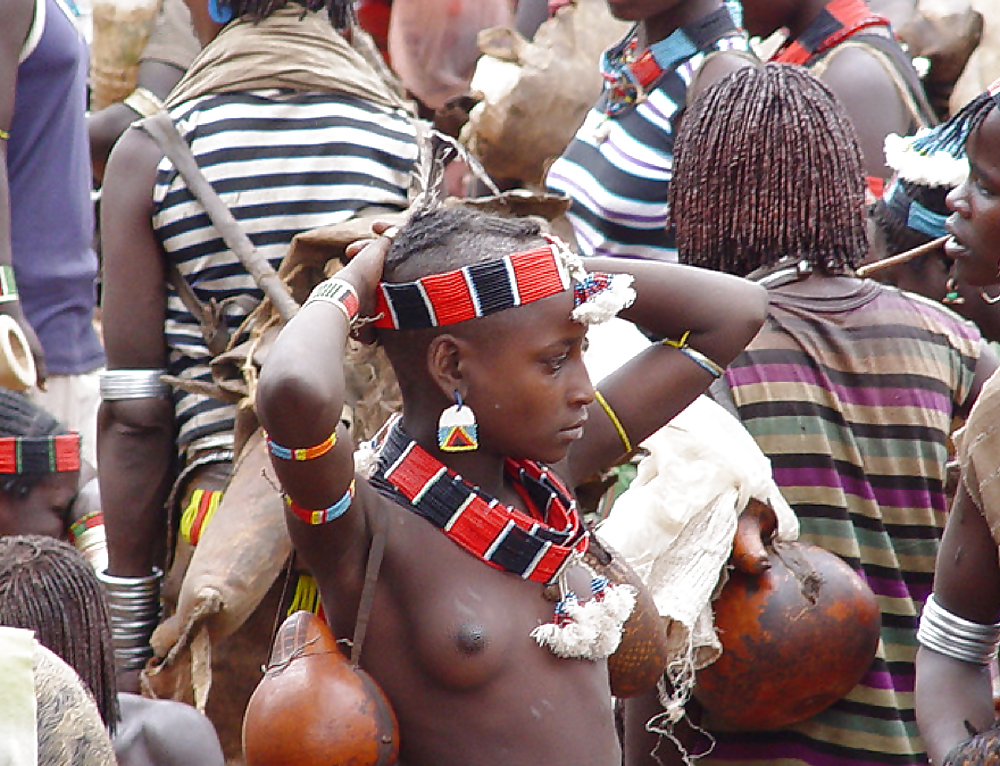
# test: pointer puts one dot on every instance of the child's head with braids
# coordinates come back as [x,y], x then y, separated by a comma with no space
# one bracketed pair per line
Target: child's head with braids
[442,239]
[975,223]
[48,587]
[767,166]
[40,470]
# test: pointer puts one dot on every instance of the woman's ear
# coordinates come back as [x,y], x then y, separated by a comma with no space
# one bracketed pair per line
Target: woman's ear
[445,356]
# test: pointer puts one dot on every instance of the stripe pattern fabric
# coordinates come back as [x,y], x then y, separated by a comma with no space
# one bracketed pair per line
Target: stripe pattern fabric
[617,170]
[853,402]
[283,162]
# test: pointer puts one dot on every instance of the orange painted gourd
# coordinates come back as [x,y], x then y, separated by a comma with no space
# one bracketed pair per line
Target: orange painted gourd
[796,638]
[313,708]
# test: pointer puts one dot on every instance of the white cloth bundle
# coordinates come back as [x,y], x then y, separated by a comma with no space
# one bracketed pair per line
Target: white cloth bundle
[675,524]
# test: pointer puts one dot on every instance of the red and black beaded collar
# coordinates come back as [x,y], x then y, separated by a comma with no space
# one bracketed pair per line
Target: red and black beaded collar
[535,547]
[838,21]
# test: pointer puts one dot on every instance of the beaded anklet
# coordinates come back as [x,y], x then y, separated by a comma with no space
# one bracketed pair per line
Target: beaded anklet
[711,367]
[302,453]
[326,515]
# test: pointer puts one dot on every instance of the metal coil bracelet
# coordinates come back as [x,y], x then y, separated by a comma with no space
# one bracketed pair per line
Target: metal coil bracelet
[134,607]
[132,384]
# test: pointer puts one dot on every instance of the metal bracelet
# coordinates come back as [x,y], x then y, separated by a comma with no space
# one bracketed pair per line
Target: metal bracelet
[953,636]
[134,609]
[132,384]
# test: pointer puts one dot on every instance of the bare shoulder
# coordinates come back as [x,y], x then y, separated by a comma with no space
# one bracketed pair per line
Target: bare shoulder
[853,64]
[133,160]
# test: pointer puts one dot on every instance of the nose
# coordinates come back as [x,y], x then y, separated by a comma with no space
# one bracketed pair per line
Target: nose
[958,199]
[581,389]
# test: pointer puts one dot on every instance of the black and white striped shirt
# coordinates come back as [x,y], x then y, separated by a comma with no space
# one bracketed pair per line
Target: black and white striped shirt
[283,162]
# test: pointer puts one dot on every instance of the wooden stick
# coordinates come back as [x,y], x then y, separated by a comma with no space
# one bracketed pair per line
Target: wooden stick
[894,260]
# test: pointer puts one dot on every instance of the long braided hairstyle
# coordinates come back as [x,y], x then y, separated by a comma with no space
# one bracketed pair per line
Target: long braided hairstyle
[19,416]
[341,12]
[767,165]
[48,587]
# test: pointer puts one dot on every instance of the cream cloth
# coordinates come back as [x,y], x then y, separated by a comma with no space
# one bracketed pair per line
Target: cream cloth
[18,738]
[282,51]
[676,522]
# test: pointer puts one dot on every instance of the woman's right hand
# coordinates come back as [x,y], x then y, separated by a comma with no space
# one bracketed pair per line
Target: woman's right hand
[366,259]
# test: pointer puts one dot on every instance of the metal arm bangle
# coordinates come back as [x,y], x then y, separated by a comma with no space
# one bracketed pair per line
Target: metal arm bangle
[134,609]
[953,636]
[132,384]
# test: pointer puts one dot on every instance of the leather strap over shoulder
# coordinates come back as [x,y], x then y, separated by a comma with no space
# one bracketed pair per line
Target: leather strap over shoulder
[912,93]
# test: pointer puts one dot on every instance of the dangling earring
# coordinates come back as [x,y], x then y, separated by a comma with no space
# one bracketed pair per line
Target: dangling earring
[457,428]
[952,298]
[220,14]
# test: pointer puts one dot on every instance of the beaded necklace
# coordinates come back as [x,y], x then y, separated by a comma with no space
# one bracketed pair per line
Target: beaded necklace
[540,545]
[838,21]
[630,75]
[534,546]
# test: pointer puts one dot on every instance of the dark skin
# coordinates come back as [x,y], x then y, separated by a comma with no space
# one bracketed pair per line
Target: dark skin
[445,629]
[136,437]
[18,15]
[951,692]
[876,109]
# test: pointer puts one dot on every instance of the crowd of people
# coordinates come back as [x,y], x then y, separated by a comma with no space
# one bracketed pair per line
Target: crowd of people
[815,256]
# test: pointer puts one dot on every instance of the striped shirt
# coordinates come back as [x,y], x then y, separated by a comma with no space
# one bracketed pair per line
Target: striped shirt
[853,400]
[617,169]
[283,162]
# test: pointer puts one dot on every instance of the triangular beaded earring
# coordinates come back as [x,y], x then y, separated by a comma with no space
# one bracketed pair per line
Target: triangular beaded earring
[457,430]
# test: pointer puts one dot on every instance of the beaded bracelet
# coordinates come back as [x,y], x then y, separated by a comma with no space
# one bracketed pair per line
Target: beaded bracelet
[711,367]
[341,294]
[326,515]
[199,511]
[613,417]
[302,453]
[8,287]
[143,102]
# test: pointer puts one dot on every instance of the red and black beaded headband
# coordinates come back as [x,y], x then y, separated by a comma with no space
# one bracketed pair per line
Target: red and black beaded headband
[39,454]
[472,291]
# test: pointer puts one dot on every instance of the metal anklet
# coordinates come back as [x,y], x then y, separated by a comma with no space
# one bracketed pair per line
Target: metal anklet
[134,607]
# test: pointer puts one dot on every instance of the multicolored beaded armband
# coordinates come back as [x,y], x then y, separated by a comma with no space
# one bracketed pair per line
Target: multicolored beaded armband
[325,516]
[341,294]
[302,453]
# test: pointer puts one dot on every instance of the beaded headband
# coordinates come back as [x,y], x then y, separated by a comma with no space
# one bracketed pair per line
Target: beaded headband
[491,286]
[912,213]
[39,454]
[934,156]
